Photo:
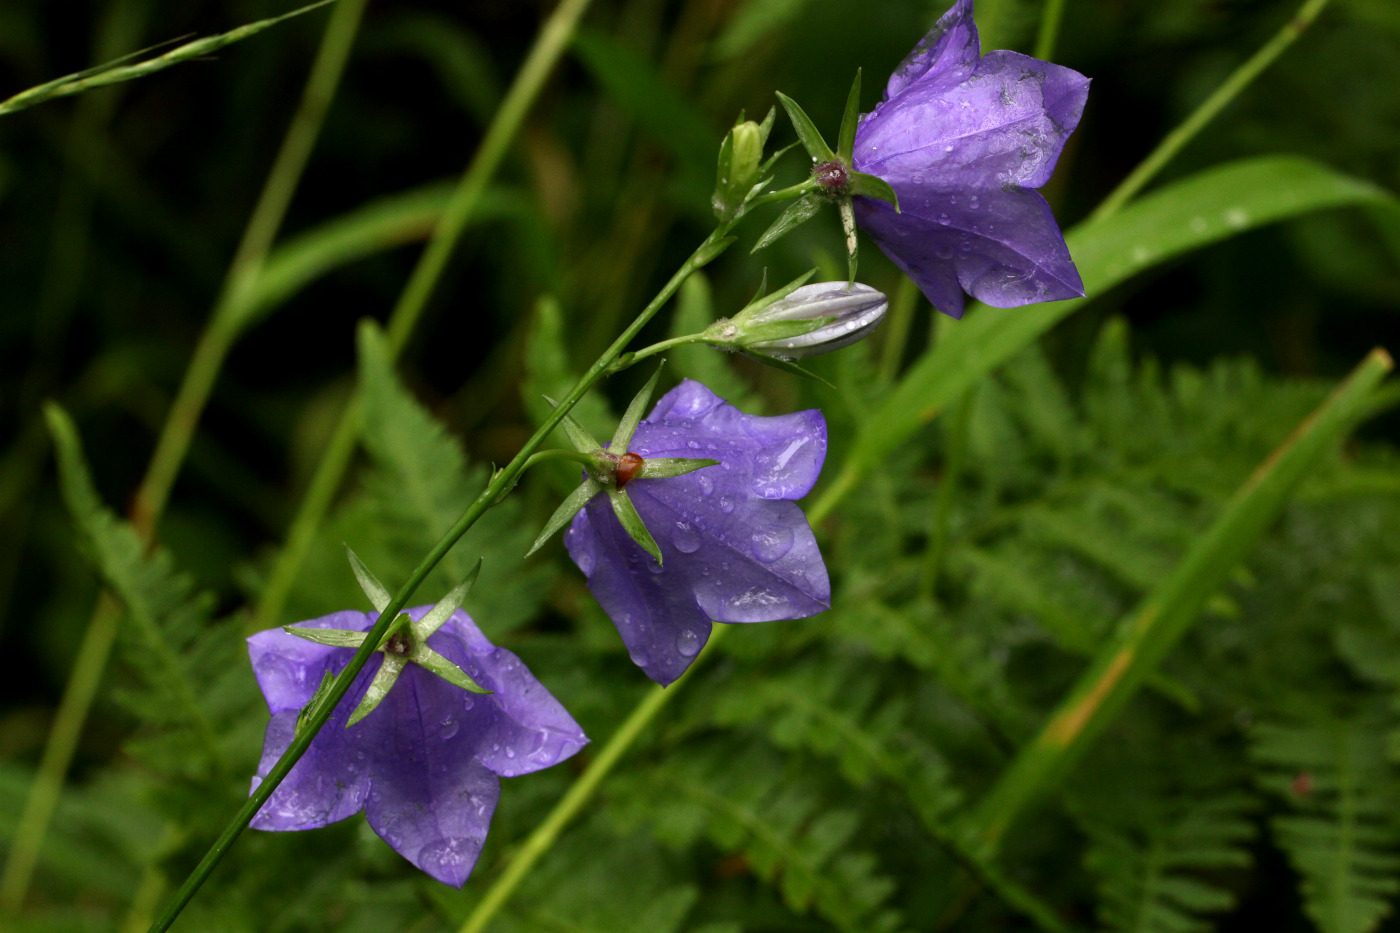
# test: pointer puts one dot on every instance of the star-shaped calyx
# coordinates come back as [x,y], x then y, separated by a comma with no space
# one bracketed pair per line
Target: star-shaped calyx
[833,178]
[609,472]
[406,642]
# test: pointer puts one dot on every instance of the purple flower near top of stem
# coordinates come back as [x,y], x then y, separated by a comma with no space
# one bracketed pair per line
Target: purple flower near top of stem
[735,547]
[426,764]
[962,139]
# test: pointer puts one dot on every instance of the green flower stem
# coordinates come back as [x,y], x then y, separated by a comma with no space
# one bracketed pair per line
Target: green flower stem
[628,359]
[784,194]
[1177,139]
[1125,662]
[550,44]
[501,482]
[559,454]
[1050,18]
[174,441]
[582,790]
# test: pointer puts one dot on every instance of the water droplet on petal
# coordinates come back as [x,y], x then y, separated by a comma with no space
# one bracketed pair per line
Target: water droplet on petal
[707,485]
[693,445]
[772,543]
[640,658]
[688,643]
[468,702]
[448,727]
[974,202]
[726,504]
[585,562]
[943,252]
[684,537]
[944,219]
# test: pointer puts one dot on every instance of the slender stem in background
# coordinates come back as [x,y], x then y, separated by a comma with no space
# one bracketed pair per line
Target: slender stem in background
[896,336]
[154,491]
[1125,662]
[956,454]
[627,359]
[539,841]
[553,38]
[1050,17]
[501,483]
[1174,141]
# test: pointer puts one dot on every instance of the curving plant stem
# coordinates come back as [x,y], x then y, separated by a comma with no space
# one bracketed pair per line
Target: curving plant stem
[553,38]
[501,483]
[214,344]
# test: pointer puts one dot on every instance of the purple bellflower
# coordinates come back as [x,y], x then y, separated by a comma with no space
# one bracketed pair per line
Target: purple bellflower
[963,139]
[425,765]
[735,547]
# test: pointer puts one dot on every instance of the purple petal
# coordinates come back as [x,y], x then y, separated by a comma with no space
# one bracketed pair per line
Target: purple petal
[947,54]
[289,669]
[1005,125]
[332,780]
[429,797]
[773,457]
[662,625]
[520,727]
[1002,246]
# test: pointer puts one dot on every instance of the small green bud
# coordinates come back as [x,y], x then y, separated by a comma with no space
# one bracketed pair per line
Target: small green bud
[739,175]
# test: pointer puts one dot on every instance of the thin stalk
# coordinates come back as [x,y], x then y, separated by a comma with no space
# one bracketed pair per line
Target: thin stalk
[1050,18]
[174,441]
[897,328]
[956,439]
[628,359]
[554,37]
[1174,141]
[501,483]
[582,790]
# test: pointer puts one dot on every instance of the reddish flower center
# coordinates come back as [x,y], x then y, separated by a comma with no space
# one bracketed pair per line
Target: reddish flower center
[833,176]
[627,466]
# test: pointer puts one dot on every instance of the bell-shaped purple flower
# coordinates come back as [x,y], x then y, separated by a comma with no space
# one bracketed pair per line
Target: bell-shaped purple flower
[426,765]
[962,138]
[735,547]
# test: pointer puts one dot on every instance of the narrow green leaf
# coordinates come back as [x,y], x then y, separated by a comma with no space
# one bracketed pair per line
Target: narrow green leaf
[795,215]
[806,130]
[449,604]
[846,145]
[1199,210]
[872,186]
[566,512]
[632,523]
[666,467]
[334,637]
[789,367]
[375,591]
[427,658]
[633,415]
[578,435]
[379,687]
[1169,610]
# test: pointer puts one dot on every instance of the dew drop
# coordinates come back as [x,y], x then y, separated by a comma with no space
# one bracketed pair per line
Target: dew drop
[448,727]
[726,504]
[947,148]
[693,445]
[585,562]
[468,702]
[974,202]
[707,485]
[640,658]
[943,252]
[944,219]
[510,752]
[772,543]
[688,643]
[685,539]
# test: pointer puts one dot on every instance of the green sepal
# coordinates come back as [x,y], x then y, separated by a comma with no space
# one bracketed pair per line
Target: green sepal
[761,301]
[806,130]
[872,186]
[379,688]
[789,367]
[846,144]
[334,637]
[633,415]
[374,590]
[796,214]
[317,698]
[848,226]
[766,126]
[578,435]
[632,523]
[428,658]
[401,622]
[666,467]
[440,613]
[566,511]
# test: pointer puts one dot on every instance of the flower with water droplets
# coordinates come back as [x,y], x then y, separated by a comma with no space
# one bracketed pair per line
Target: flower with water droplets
[963,138]
[735,546]
[425,763]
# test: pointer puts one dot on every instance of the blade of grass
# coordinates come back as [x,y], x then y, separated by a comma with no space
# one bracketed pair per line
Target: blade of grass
[1167,613]
[175,438]
[553,38]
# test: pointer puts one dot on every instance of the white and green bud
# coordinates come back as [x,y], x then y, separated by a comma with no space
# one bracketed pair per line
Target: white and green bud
[809,320]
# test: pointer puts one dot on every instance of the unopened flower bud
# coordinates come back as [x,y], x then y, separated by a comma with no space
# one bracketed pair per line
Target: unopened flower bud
[810,320]
[740,166]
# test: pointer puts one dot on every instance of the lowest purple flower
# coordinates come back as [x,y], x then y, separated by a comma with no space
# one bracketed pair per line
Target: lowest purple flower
[425,764]
[734,546]
[962,139]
